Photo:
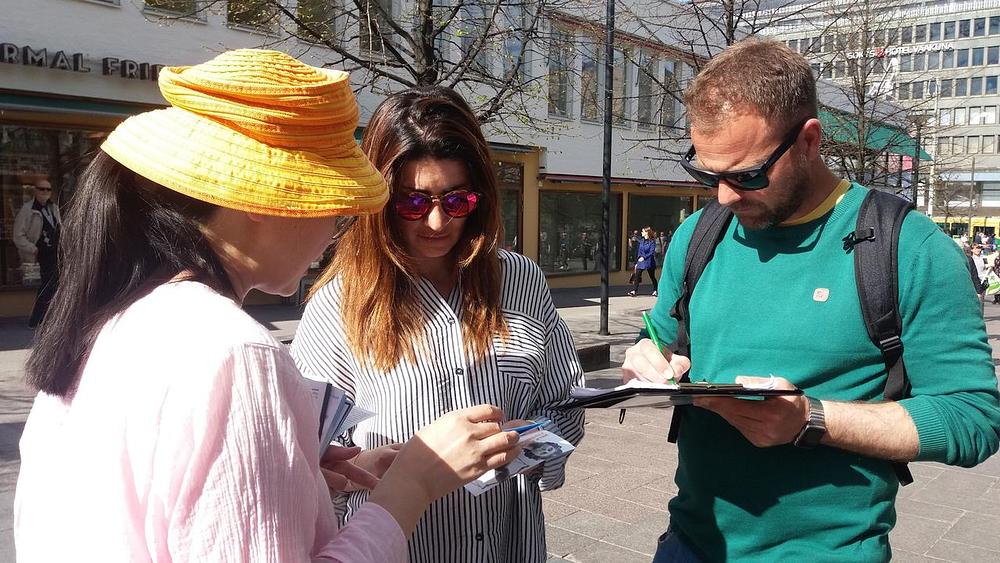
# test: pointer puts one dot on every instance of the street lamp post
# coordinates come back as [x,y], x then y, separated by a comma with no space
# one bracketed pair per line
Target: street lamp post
[609,55]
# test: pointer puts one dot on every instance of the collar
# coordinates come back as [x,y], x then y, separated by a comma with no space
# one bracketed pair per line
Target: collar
[825,206]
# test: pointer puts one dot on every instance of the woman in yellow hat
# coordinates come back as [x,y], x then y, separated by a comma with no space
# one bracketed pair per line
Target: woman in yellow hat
[169,426]
[420,307]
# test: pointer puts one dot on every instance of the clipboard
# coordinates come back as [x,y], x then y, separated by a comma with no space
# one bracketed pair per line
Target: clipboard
[627,397]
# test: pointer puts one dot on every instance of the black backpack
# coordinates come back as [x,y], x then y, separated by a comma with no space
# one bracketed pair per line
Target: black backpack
[874,244]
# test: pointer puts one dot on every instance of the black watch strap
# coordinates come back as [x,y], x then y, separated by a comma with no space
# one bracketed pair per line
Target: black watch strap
[815,427]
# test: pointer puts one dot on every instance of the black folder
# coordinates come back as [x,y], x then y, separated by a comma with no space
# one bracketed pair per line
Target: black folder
[684,394]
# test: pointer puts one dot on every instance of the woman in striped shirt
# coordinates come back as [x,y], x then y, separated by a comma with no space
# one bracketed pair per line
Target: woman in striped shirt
[421,313]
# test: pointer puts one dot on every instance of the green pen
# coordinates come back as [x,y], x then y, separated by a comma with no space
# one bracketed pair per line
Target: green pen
[652,336]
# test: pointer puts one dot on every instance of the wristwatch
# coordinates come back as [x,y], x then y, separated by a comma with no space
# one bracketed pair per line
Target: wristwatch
[815,427]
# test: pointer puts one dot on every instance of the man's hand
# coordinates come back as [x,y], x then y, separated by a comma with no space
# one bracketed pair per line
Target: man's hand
[771,422]
[645,363]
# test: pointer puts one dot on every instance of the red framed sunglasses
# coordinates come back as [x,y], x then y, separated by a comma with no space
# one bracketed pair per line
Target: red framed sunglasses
[414,206]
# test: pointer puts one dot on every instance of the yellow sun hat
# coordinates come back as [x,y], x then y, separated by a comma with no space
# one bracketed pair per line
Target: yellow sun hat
[258,131]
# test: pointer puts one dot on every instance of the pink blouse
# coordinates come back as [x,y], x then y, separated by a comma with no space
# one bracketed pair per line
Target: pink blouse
[191,437]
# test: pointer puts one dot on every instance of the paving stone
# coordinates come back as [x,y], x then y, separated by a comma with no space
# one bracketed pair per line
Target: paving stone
[989,467]
[6,516]
[979,530]
[928,510]
[963,553]
[592,525]
[560,542]
[597,502]
[619,481]
[554,510]
[916,534]
[903,556]
[601,553]
[640,537]
[650,498]
[982,503]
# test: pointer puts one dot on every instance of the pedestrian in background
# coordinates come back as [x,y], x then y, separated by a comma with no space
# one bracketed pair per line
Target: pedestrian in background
[36,235]
[169,425]
[645,261]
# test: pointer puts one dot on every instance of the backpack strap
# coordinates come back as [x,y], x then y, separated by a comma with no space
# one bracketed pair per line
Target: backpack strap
[875,244]
[712,224]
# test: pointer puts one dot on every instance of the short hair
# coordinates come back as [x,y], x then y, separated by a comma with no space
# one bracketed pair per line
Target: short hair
[754,76]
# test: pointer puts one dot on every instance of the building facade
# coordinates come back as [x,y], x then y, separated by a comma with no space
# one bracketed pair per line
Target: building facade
[70,70]
[940,60]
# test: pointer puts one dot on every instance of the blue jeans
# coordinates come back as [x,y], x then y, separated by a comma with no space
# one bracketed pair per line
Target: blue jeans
[670,548]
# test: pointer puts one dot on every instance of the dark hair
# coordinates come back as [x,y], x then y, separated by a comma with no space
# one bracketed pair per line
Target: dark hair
[380,306]
[123,236]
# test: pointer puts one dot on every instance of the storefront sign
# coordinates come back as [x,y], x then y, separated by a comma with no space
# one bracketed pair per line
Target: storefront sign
[882,52]
[76,62]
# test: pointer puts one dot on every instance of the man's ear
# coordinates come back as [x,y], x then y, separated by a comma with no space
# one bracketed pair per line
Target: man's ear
[812,135]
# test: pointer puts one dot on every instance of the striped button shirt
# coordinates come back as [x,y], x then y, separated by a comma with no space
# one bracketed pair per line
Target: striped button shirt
[526,376]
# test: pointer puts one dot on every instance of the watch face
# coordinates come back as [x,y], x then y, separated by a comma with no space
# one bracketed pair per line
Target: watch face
[810,437]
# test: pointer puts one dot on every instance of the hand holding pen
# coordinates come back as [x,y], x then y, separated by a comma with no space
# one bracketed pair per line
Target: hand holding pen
[650,361]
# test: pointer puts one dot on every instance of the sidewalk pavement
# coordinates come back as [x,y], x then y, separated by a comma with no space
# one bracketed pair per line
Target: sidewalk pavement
[613,506]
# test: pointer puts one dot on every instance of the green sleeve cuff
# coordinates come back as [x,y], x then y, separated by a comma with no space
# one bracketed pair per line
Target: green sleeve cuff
[930,429]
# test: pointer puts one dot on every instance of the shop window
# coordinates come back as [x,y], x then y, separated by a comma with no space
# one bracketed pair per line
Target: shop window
[570,229]
[26,155]
[259,15]
[661,213]
[510,181]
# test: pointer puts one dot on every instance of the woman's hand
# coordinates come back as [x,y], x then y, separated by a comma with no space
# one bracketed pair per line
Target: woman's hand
[342,475]
[376,461]
[453,450]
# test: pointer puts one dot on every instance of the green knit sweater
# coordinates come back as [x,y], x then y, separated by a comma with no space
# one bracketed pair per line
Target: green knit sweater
[755,311]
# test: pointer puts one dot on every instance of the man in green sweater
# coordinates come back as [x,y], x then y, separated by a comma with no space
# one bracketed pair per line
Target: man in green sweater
[779,298]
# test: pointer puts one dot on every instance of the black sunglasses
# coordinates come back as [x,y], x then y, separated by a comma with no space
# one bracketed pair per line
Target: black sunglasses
[747,179]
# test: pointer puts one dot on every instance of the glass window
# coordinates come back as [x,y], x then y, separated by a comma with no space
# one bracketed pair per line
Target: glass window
[958,145]
[973,144]
[591,79]
[892,36]
[570,224]
[510,181]
[804,45]
[648,67]
[945,87]
[838,69]
[989,144]
[472,20]
[920,33]
[945,117]
[935,31]
[961,58]
[994,25]
[829,44]
[979,27]
[827,71]
[933,60]
[905,63]
[903,91]
[961,116]
[993,55]
[932,87]
[621,104]
[975,115]
[793,44]
[918,62]
[180,7]
[669,98]
[906,35]
[258,14]
[949,30]
[560,57]
[989,115]
[316,20]
[961,86]
[948,59]
[373,25]
[515,21]
[964,29]
[918,90]
[976,86]
[661,213]
[991,86]
[28,154]
[943,145]
[978,56]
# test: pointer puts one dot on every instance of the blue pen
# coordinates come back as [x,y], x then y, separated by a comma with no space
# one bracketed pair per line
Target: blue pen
[526,427]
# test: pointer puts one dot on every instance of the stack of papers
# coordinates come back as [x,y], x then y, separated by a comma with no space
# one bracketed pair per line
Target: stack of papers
[538,446]
[337,414]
